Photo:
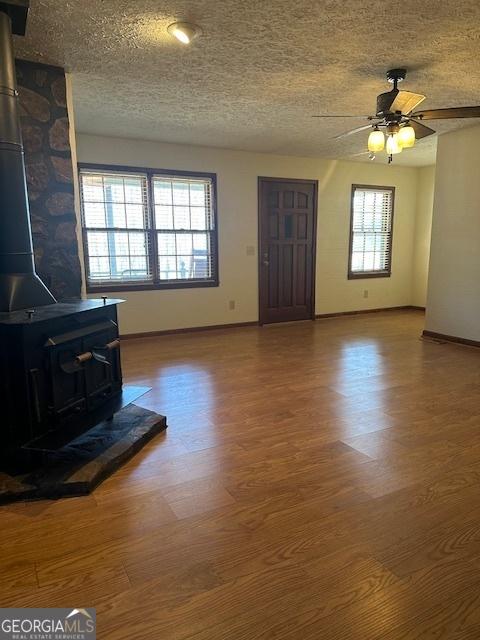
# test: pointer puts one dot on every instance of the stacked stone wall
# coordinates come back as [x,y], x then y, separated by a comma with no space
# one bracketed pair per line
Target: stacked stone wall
[45,131]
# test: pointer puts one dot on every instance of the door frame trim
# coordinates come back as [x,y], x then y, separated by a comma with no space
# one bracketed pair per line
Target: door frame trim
[260,180]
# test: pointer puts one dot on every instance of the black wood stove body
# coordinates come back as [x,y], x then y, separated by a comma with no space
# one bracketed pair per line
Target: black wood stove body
[59,369]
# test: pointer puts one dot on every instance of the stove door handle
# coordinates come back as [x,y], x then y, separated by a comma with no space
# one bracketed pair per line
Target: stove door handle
[84,357]
[114,344]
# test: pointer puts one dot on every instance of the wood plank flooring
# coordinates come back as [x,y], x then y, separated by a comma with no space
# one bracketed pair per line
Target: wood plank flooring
[317,481]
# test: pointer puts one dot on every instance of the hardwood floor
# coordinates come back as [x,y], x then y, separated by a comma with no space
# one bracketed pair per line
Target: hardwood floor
[317,481]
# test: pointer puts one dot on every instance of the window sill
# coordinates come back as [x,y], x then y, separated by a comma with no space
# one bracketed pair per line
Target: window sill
[368,274]
[118,287]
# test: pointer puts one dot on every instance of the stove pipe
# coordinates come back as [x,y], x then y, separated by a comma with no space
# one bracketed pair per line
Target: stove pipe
[20,287]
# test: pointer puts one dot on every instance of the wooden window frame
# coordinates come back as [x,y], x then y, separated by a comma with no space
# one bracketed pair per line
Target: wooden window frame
[156,284]
[385,273]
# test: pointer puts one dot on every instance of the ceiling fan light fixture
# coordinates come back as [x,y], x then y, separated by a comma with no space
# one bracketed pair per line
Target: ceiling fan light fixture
[396,112]
[376,141]
[393,146]
[185,32]
[406,137]
[392,127]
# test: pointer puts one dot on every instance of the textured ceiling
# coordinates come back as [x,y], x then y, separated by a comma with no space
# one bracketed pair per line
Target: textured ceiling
[260,70]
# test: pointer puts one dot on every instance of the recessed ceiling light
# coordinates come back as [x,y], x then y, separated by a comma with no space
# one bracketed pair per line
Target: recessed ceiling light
[184,31]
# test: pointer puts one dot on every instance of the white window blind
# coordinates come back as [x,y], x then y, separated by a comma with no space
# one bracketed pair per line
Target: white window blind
[115,221]
[184,224]
[371,231]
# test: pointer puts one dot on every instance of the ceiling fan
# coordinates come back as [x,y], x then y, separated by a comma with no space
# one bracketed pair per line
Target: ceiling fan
[396,114]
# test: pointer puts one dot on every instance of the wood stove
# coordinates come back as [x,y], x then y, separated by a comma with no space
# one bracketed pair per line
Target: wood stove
[59,362]
[59,369]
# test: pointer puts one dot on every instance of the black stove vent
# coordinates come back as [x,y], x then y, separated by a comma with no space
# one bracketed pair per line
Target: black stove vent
[20,286]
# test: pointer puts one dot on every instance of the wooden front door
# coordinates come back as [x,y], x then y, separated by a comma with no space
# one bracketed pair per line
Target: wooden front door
[287,230]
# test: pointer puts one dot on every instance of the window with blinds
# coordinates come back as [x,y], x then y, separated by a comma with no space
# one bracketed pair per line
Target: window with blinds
[371,228]
[184,228]
[148,229]
[115,222]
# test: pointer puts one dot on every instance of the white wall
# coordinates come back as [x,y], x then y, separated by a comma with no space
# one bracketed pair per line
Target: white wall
[237,209]
[422,234]
[453,302]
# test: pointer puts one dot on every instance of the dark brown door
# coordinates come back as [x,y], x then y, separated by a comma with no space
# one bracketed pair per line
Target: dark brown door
[287,227]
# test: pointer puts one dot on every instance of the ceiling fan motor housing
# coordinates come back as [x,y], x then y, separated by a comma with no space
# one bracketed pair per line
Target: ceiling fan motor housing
[385,102]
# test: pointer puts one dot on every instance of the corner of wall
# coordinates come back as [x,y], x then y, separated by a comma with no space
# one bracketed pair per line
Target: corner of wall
[422,234]
[76,186]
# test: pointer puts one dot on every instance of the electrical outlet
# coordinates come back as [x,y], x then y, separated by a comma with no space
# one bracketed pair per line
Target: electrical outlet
[365,293]
[250,250]
[231,305]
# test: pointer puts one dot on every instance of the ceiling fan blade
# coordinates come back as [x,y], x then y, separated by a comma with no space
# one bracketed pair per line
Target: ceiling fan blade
[406,101]
[362,153]
[341,116]
[446,114]
[352,131]
[421,131]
